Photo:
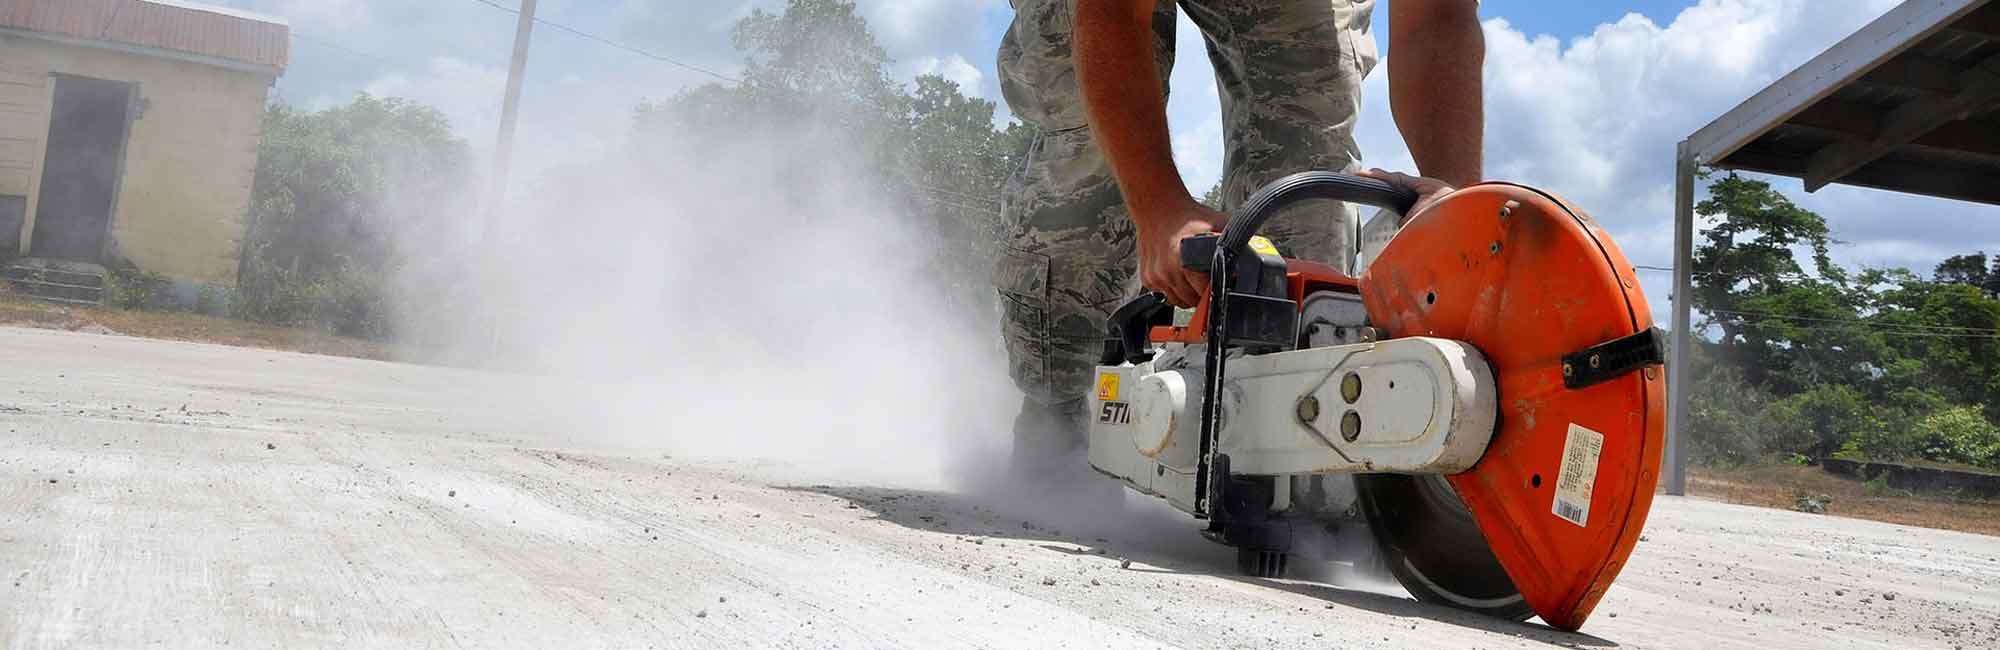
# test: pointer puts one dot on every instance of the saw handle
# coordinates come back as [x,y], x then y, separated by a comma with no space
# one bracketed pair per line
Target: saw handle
[1198,252]
[1302,186]
[1222,277]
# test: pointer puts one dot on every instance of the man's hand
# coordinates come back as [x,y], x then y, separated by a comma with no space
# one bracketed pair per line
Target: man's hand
[1429,190]
[1160,251]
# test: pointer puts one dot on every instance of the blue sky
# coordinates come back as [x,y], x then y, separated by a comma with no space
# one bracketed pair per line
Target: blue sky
[1584,97]
[1565,18]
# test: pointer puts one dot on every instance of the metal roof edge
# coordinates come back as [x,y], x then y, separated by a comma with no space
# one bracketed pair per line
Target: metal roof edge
[141,50]
[225,11]
[1864,50]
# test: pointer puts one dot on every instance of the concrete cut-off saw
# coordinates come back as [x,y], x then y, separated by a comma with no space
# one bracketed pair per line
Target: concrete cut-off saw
[1486,397]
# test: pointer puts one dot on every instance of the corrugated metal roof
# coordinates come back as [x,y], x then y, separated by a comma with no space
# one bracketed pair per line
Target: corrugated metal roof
[1909,103]
[173,25]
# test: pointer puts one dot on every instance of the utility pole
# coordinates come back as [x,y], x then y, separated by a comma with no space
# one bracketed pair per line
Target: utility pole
[496,191]
[503,151]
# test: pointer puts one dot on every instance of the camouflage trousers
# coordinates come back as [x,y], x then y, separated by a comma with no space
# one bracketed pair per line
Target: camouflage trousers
[1289,76]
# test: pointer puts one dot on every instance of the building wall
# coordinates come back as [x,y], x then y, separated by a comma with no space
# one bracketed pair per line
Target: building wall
[24,103]
[189,161]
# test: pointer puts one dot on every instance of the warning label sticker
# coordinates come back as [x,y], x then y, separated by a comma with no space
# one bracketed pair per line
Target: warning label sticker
[1578,475]
[1107,386]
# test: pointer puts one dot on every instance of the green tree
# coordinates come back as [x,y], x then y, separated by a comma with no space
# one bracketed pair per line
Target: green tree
[1783,326]
[1939,337]
[339,196]
[1969,270]
[816,85]
[1881,364]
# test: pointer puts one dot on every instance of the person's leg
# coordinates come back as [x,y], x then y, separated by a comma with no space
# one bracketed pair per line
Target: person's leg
[1290,73]
[1068,258]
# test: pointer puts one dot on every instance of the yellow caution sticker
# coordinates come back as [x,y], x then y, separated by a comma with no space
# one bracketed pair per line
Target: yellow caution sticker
[1264,246]
[1107,386]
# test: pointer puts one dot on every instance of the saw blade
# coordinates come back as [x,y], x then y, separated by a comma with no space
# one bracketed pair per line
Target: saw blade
[1433,546]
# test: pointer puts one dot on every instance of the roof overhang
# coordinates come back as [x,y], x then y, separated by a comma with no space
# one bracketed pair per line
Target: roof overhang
[1909,103]
[127,48]
[175,29]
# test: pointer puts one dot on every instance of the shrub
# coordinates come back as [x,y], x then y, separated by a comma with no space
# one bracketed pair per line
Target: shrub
[1960,434]
[129,287]
[1953,434]
[1731,420]
[1818,422]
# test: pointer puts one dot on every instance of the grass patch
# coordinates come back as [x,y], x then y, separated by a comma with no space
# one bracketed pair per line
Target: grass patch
[182,326]
[1792,487]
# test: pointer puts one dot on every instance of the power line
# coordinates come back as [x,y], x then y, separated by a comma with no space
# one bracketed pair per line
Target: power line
[1669,269]
[326,43]
[1894,329]
[1901,333]
[1903,328]
[615,44]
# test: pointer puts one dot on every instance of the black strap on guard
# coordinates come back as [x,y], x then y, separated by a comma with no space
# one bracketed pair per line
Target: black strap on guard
[1606,361]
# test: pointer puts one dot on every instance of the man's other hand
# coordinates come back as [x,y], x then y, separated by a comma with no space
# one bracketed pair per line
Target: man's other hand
[1160,251]
[1429,190]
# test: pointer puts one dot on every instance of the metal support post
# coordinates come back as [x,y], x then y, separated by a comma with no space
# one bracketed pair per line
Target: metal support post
[1677,366]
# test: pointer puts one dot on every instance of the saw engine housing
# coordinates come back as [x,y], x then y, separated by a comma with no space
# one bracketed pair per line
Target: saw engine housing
[1487,396]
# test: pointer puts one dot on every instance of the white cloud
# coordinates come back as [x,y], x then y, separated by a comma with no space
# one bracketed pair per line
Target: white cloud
[469,94]
[924,27]
[1596,117]
[953,67]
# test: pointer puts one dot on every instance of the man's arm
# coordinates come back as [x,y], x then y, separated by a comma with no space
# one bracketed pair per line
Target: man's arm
[1437,52]
[1126,103]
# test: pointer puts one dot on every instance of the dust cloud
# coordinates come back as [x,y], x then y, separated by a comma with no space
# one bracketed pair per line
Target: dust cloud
[760,301]
[765,302]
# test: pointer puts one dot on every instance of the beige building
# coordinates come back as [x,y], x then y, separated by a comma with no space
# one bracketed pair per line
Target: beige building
[128,134]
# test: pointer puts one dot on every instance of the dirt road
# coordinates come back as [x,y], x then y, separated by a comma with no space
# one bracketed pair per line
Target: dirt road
[189,495]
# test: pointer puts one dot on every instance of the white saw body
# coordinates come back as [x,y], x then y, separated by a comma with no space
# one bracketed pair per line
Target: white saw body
[1412,405]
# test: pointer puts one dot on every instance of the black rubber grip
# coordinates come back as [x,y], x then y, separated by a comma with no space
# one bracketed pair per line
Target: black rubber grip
[1198,251]
[1311,185]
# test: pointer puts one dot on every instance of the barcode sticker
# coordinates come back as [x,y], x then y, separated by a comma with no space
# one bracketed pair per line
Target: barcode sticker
[1578,475]
[1574,513]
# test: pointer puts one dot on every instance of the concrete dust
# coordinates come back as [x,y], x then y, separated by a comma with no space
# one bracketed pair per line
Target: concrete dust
[743,304]
[179,527]
[735,303]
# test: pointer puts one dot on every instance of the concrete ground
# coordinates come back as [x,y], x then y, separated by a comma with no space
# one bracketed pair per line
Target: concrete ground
[173,494]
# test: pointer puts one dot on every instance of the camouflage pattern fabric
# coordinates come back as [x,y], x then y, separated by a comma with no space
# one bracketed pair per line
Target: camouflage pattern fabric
[1289,74]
